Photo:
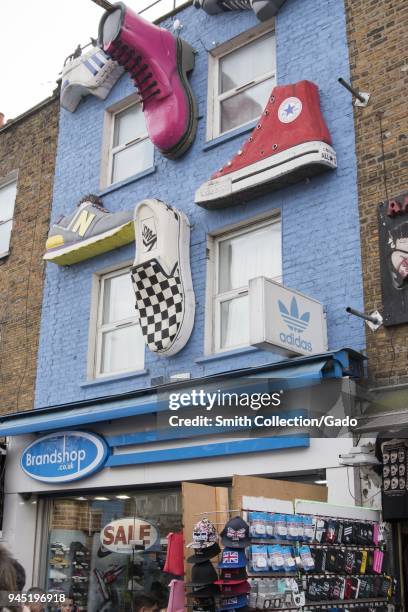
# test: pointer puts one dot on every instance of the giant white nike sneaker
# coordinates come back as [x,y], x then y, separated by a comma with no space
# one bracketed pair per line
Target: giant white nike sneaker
[91,73]
[161,276]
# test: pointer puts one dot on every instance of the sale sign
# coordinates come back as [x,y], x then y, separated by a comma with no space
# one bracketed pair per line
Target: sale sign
[129,534]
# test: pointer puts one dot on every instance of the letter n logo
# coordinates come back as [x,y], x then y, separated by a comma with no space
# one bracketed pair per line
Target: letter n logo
[82,222]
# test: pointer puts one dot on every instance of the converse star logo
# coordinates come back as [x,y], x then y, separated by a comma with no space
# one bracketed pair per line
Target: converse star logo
[289,110]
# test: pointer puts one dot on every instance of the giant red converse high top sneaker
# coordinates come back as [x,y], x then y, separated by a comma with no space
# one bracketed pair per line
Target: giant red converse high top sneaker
[158,63]
[291,142]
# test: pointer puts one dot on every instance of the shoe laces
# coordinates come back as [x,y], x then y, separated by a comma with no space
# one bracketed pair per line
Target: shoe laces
[139,72]
[250,139]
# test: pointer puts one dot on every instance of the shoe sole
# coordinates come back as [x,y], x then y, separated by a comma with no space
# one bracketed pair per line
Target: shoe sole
[185,64]
[274,172]
[187,323]
[96,245]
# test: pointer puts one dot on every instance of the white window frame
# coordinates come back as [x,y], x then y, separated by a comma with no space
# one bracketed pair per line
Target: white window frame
[11,177]
[214,299]
[108,150]
[214,98]
[97,328]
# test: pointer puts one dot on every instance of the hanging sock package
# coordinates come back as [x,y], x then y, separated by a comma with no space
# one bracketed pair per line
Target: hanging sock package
[280,529]
[257,524]
[276,558]
[306,559]
[259,558]
[308,529]
[289,560]
[269,524]
[292,527]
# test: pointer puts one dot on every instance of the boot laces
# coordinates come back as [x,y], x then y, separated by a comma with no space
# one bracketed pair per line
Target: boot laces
[142,80]
[144,83]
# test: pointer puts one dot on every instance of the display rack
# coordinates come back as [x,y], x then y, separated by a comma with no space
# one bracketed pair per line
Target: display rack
[320,511]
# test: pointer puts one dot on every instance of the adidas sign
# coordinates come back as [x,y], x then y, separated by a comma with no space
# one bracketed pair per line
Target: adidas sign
[296,323]
[285,321]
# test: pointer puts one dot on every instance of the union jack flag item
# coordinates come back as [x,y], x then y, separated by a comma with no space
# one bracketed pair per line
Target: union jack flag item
[235,533]
[204,534]
[232,558]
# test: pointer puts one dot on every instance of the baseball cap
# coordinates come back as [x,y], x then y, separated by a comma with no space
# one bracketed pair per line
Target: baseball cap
[208,590]
[236,533]
[232,576]
[234,602]
[243,609]
[204,534]
[202,573]
[203,607]
[203,554]
[242,588]
[232,557]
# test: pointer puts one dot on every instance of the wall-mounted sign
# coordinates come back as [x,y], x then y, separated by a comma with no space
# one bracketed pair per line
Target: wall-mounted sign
[64,456]
[393,237]
[284,320]
[128,534]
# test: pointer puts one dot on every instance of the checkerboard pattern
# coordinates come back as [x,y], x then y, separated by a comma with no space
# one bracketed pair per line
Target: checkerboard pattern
[159,302]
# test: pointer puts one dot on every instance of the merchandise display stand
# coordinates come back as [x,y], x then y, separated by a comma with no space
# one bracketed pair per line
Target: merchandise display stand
[336,561]
[354,541]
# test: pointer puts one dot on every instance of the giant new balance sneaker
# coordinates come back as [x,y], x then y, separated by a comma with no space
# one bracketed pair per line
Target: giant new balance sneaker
[91,73]
[161,277]
[263,9]
[158,63]
[291,142]
[89,231]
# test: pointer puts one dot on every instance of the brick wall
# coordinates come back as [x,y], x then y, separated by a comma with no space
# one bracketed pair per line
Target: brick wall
[321,242]
[377,31]
[28,146]
[74,515]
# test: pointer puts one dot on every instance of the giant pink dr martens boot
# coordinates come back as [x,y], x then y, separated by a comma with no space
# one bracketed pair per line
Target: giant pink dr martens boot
[158,63]
[291,142]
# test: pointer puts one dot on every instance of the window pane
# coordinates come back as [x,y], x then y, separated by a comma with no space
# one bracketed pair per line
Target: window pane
[122,350]
[7,199]
[132,160]
[245,106]
[118,299]
[5,233]
[129,124]
[255,253]
[247,63]
[234,321]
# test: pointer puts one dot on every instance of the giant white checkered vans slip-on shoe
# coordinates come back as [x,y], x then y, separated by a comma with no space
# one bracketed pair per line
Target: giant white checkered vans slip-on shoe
[91,73]
[89,231]
[161,277]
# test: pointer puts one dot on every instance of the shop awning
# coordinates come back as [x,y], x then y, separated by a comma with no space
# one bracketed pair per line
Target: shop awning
[311,369]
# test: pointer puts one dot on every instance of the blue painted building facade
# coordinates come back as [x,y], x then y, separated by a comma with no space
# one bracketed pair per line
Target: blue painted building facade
[320,226]
[147,460]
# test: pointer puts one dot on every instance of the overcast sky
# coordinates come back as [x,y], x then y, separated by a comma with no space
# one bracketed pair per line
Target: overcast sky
[35,38]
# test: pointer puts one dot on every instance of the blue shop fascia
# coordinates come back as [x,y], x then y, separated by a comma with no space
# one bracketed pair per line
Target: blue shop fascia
[204,235]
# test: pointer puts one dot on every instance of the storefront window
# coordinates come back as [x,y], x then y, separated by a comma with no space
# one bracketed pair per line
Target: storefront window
[105,548]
